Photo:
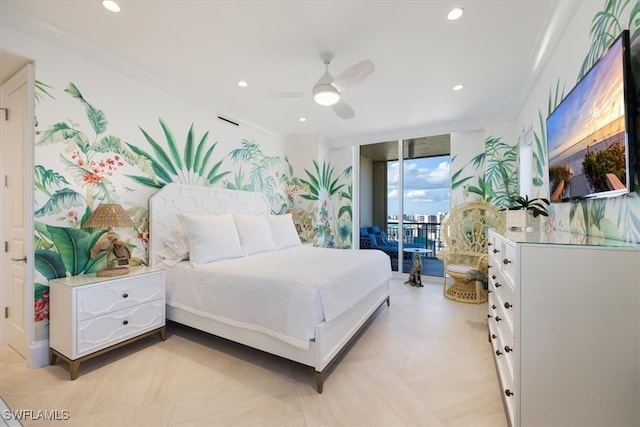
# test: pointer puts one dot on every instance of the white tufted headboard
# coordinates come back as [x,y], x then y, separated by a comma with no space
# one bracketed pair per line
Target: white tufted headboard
[173,198]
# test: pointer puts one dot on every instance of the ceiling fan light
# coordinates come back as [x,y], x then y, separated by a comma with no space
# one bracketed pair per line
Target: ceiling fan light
[325,94]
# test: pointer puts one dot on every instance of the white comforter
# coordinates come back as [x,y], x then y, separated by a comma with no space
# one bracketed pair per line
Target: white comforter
[284,293]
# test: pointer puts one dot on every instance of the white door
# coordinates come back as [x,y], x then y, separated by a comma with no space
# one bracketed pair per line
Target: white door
[14,116]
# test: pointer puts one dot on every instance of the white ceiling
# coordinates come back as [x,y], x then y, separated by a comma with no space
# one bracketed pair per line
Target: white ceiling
[205,47]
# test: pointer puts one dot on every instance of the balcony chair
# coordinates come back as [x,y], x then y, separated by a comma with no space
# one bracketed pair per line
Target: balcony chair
[382,239]
[465,234]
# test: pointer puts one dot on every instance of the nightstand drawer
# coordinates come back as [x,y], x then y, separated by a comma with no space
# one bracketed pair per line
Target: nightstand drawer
[100,332]
[99,300]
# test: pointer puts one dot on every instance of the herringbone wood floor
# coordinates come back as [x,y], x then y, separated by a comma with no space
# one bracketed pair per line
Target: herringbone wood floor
[423,361]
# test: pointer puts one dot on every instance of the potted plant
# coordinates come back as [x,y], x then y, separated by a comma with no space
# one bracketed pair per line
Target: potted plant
[523,213]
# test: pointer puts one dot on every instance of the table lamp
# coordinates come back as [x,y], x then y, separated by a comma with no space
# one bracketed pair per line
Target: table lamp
[108,215]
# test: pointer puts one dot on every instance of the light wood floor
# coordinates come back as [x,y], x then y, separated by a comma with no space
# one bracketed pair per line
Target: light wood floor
[423,361]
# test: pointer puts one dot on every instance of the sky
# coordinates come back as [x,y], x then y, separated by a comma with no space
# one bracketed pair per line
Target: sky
[426,185]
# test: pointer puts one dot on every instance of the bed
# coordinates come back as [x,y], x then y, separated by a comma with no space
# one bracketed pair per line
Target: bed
[299,302]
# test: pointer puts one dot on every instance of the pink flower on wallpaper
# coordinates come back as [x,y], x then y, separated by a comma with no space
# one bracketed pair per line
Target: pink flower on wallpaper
[41,308]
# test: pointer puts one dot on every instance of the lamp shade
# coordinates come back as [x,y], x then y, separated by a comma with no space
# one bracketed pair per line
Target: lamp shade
[108,215]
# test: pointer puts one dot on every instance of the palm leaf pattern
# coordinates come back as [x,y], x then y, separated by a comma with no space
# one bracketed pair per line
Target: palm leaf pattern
[193,167]
[322,184]
[260,177]
[501,173]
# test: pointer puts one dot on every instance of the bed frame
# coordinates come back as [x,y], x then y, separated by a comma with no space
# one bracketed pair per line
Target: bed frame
[331,338]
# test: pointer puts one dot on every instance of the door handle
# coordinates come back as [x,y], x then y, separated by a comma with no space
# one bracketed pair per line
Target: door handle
[23,259]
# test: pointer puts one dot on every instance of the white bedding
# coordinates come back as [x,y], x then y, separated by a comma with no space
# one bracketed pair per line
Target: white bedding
[283,293]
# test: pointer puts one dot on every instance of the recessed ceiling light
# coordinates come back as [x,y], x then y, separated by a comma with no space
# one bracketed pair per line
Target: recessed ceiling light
[111,5]
[458,87]
[455,13]
[302,119]
[242,83]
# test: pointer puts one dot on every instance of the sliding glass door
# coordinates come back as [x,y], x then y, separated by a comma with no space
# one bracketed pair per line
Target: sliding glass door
[403,202]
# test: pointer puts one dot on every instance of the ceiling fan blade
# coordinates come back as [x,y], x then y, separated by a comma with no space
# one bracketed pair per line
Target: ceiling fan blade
[343,110]
[354,75]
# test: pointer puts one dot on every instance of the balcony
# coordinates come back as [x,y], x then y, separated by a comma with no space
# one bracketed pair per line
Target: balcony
[415,234]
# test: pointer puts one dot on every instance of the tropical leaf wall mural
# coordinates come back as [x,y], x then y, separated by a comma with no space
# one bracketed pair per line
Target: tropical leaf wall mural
[333,228]
[192,165]
[491,175]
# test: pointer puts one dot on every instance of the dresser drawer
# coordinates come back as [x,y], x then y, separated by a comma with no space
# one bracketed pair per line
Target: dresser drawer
[508,262]
[100,332]
[99,300]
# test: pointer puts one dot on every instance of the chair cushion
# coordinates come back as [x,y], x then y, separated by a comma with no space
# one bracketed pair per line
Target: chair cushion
[460,268]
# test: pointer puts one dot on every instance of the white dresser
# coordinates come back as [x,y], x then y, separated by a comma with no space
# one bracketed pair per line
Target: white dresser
[564,324]
[91,315]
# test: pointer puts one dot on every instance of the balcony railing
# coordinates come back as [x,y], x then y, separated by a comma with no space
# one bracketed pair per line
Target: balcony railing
[427,234]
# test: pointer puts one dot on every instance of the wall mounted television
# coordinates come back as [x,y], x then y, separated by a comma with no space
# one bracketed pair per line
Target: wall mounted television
[591,135]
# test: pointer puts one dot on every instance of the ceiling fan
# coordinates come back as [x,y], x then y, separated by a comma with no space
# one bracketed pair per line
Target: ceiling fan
[328,91]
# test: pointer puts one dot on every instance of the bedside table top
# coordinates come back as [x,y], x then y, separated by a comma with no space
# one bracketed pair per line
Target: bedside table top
[89,279]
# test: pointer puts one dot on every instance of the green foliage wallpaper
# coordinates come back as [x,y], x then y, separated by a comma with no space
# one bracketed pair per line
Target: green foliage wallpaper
[491,175]
[76,170]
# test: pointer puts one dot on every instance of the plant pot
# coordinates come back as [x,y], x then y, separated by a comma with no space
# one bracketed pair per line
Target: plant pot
[522,220]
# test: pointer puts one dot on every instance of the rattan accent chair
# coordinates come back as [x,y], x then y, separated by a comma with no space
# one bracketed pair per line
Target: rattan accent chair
[465,234]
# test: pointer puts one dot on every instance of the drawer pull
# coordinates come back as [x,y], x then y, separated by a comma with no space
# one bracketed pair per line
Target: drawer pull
[506,261]
[126,322]
[125,295]
[493,276]
[507,348]
[489,243]
[508,392]
[493,306]
[498,318]
[496,250]
[494,336]
[507,305]
[497,285]
[498,353]
[489,316]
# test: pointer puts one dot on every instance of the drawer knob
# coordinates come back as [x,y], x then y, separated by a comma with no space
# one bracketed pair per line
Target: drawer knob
[125,295]
[126,322]
[508,392]
[507,348]
[489,316]
[498,318]
[497,285]
[496,250]
[494,336]
[498,352]
[507,305]
[489,243]
[506,261]
[493,276]
[493,306]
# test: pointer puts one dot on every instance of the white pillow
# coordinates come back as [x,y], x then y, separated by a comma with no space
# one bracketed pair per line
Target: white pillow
[254,233]
[211,237]
[176,243]
[283,231]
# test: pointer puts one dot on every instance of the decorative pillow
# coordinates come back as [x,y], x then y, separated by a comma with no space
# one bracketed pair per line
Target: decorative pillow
[177,243]
[283,231]
[211,237]
[254,233]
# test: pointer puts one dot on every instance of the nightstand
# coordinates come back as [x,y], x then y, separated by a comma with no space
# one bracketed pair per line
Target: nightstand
[91,315]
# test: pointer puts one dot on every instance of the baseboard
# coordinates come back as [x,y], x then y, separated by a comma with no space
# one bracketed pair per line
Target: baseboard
[38,354]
